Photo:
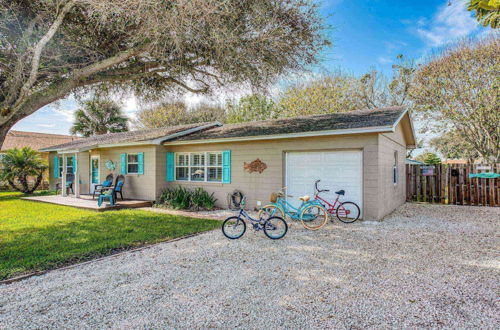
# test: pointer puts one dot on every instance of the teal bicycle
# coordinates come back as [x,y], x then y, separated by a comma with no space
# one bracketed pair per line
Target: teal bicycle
[311,213]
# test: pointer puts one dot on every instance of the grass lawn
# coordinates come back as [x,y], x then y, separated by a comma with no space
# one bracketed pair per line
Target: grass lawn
[38,236]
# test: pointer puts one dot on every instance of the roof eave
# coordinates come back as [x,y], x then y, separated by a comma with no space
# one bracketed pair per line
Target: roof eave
[157,141]
[364,130]
[413,135]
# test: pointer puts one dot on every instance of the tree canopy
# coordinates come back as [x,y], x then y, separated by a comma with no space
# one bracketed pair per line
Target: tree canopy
[458,91]
[452,146]
[487,12]
[251,108]
[329,94]
[99,116]
[177,113]
[429,158]
[51,48]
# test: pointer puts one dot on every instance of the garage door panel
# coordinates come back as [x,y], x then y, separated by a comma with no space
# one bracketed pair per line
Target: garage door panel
[336,170]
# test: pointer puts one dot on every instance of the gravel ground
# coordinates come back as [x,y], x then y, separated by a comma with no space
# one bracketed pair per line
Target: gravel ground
[424,266]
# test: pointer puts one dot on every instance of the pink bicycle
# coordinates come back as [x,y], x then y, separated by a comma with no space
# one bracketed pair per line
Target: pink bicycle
[346,212]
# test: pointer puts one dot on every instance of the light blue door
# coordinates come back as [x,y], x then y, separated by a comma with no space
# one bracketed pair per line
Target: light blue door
[94,172]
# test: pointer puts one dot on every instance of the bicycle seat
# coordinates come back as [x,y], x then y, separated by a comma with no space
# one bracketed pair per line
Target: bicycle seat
[305,198]
[340,192]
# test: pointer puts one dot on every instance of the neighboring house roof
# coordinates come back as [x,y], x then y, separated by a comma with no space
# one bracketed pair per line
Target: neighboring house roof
[359,121]
[37,141]
[146,136]
[414,162]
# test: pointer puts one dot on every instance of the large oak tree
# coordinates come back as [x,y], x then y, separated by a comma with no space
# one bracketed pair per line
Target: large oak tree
[458,91]
[52,48]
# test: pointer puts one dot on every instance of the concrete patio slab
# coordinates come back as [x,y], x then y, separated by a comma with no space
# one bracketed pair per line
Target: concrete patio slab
[86,202]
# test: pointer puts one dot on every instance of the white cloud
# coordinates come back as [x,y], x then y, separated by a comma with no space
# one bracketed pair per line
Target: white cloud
[65,114]
[450,23]
[384,60]
[46,125]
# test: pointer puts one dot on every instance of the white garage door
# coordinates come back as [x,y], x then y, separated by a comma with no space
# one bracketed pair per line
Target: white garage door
[336,169]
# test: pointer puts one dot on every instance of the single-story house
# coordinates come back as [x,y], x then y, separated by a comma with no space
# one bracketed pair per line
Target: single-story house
[362,152]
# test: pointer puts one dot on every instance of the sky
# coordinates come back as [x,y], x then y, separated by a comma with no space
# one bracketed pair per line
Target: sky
[365,34]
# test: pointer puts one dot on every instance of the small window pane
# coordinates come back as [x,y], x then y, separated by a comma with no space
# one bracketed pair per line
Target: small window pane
[182,160]
[219,158]
[69,165]
[212,159]
[182,173]
[133,158]
[197,173]
[133,168]
[214,174]
[197,159]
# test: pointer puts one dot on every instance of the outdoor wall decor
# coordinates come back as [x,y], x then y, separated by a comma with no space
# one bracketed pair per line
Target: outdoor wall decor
[255,166]
[110,165]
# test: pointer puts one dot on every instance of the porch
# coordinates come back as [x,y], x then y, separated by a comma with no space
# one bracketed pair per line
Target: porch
[86,202]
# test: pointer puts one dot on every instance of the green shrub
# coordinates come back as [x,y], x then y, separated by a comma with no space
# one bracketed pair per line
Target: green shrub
[201,199]
[180,198]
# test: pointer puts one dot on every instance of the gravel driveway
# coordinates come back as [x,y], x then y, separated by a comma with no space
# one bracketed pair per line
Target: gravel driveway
[424,266]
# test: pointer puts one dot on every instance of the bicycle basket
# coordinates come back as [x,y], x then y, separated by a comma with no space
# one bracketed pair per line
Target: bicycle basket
[274,198]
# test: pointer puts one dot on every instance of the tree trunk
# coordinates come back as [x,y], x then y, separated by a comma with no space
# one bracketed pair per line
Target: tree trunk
[37,183]
[3,133]
[13,185]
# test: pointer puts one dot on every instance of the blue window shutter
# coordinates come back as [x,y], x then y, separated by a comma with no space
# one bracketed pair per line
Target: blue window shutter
[140,160]
[56,167]
[123,164]
[75,165]
[170,166]
[226,166]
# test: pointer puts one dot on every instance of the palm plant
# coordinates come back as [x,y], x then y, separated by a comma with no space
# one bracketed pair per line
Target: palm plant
[97,117]
[20,164]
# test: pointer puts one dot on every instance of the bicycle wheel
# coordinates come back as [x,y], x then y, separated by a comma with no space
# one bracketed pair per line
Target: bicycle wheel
[269,211]
[275,228]
[233,227]
[348,212]
[314,217]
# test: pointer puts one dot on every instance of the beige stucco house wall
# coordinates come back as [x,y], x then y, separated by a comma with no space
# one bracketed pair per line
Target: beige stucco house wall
[258,187]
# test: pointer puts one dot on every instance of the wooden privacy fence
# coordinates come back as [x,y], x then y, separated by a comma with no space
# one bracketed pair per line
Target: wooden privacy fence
[450,184]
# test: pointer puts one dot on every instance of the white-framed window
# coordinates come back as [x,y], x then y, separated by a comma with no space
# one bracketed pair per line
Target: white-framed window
[199,166]
[395,169]
[69,165]
[132,163]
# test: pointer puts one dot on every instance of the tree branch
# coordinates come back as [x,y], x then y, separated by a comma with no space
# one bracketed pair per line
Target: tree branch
[37,51]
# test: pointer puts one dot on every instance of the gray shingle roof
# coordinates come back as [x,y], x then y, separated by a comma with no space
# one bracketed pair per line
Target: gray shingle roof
[132,136]
[336,121]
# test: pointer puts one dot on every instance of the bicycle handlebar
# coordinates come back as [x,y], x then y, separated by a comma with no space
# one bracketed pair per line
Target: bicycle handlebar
[317,189]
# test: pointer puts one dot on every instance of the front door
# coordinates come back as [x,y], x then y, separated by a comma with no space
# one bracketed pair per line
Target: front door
[94,172]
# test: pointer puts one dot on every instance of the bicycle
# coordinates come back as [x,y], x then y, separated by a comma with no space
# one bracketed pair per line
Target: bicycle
[235,227]
[347,212]
[311,213]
